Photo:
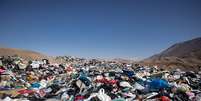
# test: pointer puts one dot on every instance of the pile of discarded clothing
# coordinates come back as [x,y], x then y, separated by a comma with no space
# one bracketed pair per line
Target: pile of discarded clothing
[94,80]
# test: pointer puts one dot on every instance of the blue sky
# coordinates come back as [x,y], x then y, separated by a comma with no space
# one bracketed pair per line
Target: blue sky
[98,28]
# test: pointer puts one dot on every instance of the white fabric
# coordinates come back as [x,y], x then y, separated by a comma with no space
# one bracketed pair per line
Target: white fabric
[125,84]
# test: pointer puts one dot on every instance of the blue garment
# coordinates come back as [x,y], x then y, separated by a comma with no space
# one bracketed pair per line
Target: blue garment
[128,73]
[157,84]
[35,85]
[85,80]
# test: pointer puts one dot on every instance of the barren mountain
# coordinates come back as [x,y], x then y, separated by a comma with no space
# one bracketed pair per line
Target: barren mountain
[184,54]
[26,54]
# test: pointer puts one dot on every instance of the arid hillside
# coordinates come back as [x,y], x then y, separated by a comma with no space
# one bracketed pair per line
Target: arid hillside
[184,54]
[26,54]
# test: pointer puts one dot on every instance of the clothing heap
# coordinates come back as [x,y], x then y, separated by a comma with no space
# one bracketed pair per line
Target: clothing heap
[94,80]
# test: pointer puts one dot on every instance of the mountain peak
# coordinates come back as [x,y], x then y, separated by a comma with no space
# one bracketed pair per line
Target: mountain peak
[183,54]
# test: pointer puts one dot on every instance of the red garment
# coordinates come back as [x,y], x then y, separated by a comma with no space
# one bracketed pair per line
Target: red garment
[112,81]
[104,80]
[2,70]
[164,98]
[25,91]
[78,98]
[68,69]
